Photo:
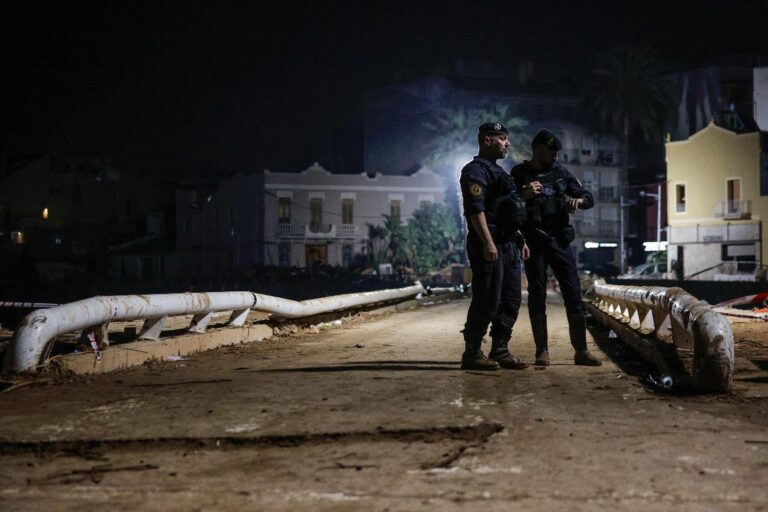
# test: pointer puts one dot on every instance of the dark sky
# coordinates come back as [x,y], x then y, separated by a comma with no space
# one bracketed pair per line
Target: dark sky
[220,86]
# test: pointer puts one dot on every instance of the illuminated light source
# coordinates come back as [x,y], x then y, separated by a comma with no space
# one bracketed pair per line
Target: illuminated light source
[655,246]
[596,245]
[17,237]
[45,213]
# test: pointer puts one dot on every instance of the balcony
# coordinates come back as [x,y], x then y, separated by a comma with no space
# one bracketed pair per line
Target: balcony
[598,157]
[599,228]
[608,228]
[316,231]
[733,210]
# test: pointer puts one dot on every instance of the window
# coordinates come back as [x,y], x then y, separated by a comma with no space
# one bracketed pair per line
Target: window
[764,176]
[347,211]
[346,255]
[607,192]
[316,211]
[284,254]
[733,194]
[589,178]
[680,197]
[743,256]
[425,199]
[284,210]
[609,181]
[394,208]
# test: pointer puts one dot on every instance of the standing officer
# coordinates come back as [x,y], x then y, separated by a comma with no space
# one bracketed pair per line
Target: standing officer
[493,257]
[554,194]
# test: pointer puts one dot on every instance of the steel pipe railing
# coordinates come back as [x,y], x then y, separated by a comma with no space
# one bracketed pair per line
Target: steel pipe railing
[673,315]
[35,335]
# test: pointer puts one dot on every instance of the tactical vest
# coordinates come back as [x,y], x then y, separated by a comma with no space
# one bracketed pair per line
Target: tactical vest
[550,207]
[507,208]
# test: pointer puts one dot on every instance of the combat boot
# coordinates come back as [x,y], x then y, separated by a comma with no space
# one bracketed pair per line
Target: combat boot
[577,328]
[474,359]
[501,354]
[539,329]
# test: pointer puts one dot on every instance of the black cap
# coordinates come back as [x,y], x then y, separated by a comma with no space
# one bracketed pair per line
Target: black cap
[548,139]
[493,128]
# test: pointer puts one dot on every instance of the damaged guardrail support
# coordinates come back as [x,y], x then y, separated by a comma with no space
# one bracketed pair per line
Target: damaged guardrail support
[37,332]
[673,315]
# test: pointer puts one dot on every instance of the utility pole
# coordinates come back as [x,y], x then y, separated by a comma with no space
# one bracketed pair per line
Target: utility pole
[658,218]
[621,234]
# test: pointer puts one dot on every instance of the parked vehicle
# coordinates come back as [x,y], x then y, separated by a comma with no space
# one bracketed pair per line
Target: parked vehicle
[646,271]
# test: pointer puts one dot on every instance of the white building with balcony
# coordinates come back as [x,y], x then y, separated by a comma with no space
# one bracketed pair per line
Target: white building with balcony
[718,204]
[318,217]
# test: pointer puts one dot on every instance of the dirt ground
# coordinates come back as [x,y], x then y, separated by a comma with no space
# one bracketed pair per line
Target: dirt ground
[377,415]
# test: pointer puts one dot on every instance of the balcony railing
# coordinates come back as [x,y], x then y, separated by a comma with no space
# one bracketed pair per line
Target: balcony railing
[317,231]
[346,230]
[733,210]
[578,156]
[285,230]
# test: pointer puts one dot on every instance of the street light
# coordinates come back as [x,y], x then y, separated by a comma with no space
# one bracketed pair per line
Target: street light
[622,247]
[656,196]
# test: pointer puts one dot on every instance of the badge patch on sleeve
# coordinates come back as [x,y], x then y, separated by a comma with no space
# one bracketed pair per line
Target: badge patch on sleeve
[475,190]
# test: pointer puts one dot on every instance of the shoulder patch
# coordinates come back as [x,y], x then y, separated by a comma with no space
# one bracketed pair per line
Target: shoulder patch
[475,189]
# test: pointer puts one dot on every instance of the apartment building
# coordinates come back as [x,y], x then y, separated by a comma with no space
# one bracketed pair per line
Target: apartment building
[319,217]
[717,193]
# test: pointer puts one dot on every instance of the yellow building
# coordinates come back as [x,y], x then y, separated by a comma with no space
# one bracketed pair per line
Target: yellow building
[717,204]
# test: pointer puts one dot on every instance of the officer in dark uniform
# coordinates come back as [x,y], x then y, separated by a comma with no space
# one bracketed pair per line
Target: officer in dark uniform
[494,254]
[556,193]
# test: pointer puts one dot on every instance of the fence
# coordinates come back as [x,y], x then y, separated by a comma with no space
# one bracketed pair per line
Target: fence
[673,315]
[34,337]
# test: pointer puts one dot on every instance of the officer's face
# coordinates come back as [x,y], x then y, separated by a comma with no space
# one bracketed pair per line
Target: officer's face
[499,145]
[544,155]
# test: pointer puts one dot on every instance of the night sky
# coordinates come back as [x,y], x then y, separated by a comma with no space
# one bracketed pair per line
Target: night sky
[217,87]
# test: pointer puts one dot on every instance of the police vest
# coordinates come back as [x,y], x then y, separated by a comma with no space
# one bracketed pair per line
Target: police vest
[507,208]
[550,207]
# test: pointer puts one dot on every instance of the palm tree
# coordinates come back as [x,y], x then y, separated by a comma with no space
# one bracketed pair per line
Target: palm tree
[626,93]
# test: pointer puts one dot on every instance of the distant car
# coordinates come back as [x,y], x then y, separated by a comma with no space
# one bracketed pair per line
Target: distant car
[646,271]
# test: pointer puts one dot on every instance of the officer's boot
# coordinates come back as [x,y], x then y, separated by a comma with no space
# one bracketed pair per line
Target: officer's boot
[501,354]
[474,359]
[539,328]
[577,327]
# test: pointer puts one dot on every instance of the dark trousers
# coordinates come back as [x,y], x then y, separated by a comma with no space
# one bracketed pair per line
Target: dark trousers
[549,253]
[495,292]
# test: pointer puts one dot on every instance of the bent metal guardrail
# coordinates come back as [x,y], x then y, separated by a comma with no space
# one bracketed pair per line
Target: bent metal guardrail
[35,335]
[673,314]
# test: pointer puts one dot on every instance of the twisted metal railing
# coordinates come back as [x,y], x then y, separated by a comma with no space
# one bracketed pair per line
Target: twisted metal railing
[35,335]
[674,316]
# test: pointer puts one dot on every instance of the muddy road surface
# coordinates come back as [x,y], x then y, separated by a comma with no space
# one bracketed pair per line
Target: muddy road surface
[377,415]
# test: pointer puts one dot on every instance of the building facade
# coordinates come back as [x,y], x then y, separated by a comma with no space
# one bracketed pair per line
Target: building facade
[77,210]
[595,161]
[219,226]
[318,217]
[717,203]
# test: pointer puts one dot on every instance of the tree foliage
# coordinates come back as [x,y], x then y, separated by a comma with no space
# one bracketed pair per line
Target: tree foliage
[626,93]
[434,238]
[431,240]
[454,132]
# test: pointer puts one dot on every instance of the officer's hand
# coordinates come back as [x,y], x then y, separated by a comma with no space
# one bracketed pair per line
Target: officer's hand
[532,189]
[526,252]
[490,252]
[573,205]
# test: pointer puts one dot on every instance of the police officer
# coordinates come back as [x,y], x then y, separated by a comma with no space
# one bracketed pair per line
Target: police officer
[494,254]
[554,194]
